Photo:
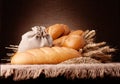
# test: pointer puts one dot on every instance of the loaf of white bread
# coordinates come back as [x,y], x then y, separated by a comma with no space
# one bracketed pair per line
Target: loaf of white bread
[44,55]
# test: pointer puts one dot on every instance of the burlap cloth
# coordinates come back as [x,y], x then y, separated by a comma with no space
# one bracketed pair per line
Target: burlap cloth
[69,71]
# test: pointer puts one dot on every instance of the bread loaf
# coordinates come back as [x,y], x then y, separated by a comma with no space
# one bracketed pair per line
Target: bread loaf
[58,30]
[74,41]
[44,55]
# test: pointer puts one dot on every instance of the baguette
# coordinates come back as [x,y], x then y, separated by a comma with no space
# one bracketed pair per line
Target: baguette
[44,55]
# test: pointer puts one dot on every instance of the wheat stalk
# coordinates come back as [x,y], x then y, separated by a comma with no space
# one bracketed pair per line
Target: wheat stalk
[95,50]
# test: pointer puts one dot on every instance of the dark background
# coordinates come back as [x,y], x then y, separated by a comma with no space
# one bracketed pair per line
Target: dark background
[18,16]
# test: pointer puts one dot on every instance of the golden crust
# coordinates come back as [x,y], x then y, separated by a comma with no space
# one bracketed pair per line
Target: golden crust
[45,55]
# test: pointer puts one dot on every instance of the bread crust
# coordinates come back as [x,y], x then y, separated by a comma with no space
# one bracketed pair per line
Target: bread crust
[44,55]
[74,41]
[76,32]
[58,30]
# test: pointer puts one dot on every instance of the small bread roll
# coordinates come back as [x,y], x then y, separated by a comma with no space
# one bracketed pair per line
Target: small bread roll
[44,55]
[74,41]
[58,30]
